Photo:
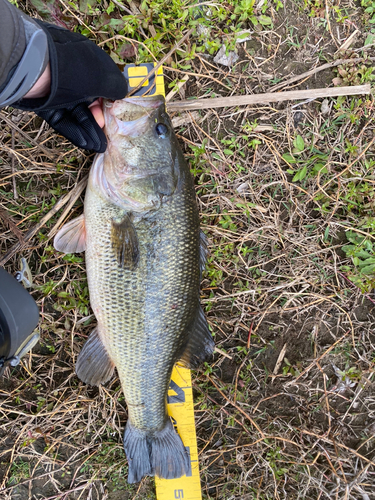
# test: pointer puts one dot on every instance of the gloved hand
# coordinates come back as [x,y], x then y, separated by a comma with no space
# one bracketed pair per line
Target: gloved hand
[80,73]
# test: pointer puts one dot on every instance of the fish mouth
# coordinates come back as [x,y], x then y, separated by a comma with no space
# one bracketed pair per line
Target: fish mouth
[129,116]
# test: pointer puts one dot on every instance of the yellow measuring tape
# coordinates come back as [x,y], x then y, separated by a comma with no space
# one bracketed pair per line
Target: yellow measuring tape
[181,410]
[180,393]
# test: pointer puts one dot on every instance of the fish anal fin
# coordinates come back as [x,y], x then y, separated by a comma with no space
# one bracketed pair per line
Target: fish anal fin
[94,366]
[72,236]
[200,345]
[125,243]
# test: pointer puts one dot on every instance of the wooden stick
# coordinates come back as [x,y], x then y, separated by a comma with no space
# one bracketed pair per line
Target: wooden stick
[73,195]
[348,42]
[279,362]
[221,102]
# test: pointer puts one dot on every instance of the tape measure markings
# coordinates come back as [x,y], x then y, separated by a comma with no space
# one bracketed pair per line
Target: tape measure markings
[182,413]
[135,74]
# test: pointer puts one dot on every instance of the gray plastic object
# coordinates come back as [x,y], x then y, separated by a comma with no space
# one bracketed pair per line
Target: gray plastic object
[19,316]
[27,71]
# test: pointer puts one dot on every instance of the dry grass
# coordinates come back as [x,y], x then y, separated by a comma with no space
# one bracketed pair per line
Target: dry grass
[286,410]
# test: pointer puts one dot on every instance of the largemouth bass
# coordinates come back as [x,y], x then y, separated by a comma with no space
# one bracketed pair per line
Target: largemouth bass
[144,256]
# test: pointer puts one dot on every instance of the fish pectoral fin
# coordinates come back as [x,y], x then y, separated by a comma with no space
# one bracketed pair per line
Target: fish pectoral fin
[125,244]
[72,236]
[94,366]
[200,344]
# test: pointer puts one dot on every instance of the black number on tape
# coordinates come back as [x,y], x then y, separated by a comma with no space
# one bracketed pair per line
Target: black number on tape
[179,397]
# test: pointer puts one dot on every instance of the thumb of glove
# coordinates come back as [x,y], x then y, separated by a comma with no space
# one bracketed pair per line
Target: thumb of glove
[77,124]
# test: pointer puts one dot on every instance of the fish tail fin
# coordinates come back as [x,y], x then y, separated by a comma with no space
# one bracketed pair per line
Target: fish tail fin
[162,453]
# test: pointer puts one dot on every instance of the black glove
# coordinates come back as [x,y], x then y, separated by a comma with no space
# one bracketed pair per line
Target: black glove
[77,124]
[19,316]
[80,73]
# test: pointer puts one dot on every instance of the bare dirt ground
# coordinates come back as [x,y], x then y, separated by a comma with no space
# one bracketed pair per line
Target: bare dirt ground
[286,409]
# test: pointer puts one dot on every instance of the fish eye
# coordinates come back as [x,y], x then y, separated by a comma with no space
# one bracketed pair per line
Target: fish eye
[161,130]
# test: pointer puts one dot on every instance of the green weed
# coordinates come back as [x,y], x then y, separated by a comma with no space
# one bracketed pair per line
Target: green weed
[291,369]
[116,26]
[274,460]
[316,8]
[309,162]
[19,471]
[76,298]
[354,73]
[369,6]
[361,250]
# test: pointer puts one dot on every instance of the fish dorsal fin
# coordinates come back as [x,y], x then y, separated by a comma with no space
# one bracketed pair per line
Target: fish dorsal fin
[125,243]
[200,345]
[94,366]
[72,236]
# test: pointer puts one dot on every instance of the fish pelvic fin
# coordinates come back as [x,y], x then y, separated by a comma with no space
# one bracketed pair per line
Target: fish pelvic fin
[125,243]
[72,236]
[200,344]
[162,453]
[94,366]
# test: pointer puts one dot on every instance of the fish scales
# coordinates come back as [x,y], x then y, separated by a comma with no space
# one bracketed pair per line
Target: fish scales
[161,297]
[144,255]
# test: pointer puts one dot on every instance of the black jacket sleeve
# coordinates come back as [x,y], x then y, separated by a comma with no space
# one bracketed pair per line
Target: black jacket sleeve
[23,53]
[12,40]
[80,73]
